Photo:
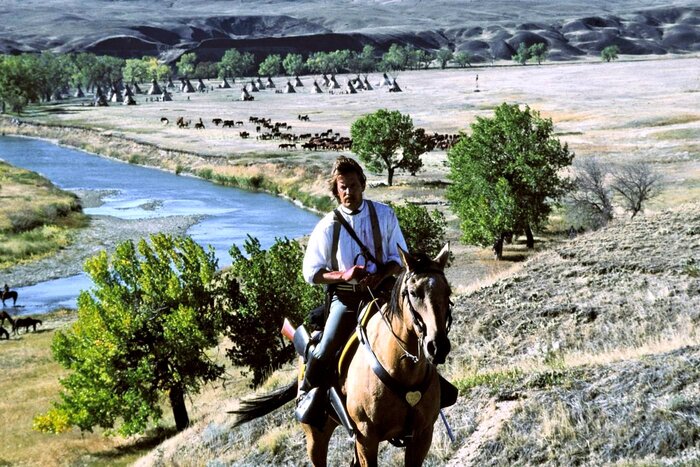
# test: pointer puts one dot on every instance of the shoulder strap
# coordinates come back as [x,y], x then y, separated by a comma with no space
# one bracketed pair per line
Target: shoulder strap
[363,248]
[334,248]
[376,232]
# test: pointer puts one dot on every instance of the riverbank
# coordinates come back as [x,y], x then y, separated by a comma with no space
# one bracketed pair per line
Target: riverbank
[271,176]
[37,218]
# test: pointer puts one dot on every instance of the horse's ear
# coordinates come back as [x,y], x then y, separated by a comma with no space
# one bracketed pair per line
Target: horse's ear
[443,256]
[406,259]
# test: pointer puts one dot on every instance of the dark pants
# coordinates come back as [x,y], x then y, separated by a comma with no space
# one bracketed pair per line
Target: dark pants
[341,322]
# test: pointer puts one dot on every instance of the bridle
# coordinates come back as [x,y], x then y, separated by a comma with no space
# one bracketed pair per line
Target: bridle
[418,323]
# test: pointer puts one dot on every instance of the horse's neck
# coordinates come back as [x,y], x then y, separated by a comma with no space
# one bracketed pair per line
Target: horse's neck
[391,349]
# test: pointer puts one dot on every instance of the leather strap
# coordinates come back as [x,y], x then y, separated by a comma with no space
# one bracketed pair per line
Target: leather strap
[379,370]
[375,231]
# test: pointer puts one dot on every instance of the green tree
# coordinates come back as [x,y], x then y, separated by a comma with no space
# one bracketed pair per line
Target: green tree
[522,55]
[293,64]
[377,137]
[396,58]
[444,56]
[186,65]
[136,70]
[366,60]
[423,230]
[235,63]
[101,70]
[272,288]
[422,58]
[142,332]
[505,176]
[538,52]
[319,62]
[271,66]
[17,82]
[462,58]
[609,53]
[205,70]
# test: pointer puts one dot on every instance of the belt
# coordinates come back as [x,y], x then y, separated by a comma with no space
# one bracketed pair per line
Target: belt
[355,288]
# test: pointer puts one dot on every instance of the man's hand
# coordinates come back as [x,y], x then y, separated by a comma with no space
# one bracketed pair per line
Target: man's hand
[356,272]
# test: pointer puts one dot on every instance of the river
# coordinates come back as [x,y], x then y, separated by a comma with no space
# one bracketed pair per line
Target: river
[228,215]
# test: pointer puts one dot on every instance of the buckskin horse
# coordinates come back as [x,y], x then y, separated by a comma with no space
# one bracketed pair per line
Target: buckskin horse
[409,337]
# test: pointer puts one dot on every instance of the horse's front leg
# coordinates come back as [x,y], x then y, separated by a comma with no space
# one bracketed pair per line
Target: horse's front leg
[366,449]
[317,442]
[417,449]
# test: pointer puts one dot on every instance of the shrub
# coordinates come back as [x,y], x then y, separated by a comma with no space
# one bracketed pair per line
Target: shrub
[272,288]
[423,230]
[609,53]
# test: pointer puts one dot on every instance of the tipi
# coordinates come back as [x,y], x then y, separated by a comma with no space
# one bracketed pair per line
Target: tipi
[298,83]
[289,89]
[316,89]
[270,84]
[187,86]
[333,84]
[225,84]
[154,89]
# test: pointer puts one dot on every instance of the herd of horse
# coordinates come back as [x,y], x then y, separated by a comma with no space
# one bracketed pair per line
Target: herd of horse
[16,324]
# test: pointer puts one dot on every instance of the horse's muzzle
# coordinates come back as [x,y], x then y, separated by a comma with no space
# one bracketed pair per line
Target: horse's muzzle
[438,348]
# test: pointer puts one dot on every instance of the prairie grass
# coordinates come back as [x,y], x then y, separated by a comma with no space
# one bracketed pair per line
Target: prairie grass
[37,220]
[27,359]
[663,121]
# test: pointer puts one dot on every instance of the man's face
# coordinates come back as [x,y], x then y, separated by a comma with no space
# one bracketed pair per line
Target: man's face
[350,190]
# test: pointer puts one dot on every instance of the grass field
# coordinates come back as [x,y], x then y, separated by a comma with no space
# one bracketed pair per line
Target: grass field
[37,218]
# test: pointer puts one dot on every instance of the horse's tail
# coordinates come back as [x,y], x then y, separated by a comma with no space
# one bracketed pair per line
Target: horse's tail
[256,407]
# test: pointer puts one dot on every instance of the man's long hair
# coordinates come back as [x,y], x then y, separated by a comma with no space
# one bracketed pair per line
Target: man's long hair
[343,166]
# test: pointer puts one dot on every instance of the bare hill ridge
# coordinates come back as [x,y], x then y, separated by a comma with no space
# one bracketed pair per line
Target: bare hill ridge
[487,31]
[586,354]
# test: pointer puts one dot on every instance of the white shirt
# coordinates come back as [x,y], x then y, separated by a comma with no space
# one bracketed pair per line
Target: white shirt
[318,252]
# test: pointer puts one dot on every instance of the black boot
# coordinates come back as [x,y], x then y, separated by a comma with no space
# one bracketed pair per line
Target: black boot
[312,399]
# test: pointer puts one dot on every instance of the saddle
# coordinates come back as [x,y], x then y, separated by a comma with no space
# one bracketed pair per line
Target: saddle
[319,403]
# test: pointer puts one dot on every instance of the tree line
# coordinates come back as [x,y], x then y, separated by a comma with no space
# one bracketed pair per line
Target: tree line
[28,78]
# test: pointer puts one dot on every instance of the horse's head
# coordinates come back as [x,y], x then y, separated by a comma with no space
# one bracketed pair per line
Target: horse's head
[423,295]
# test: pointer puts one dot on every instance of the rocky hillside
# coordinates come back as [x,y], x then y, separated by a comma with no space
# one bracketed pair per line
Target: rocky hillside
[488,31]
[587,354]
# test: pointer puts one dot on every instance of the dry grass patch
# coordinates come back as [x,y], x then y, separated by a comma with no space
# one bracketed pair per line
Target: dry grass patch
[37,219]
[29,382]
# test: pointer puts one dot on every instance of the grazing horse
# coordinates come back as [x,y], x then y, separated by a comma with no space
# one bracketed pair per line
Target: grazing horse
[5,315]
[9,294]
[25,323]
[408,337]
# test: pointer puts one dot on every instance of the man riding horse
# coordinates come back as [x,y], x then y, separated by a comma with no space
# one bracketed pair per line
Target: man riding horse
[352,250]
[7,293]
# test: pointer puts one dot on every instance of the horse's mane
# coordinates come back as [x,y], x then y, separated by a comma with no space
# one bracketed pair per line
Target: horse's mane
[422,264]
